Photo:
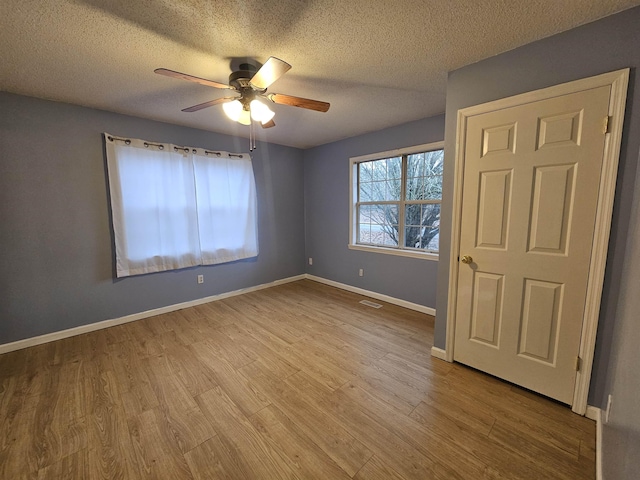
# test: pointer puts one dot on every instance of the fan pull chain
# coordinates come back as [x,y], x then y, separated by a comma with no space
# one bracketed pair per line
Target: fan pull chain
[252,135]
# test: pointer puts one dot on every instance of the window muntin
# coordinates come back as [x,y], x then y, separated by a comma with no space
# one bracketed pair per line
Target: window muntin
[398,201]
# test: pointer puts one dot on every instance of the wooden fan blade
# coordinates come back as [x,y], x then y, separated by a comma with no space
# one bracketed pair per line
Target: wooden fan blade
[269,124]
[271,71]
[190,78]
[210,103]
[298,102]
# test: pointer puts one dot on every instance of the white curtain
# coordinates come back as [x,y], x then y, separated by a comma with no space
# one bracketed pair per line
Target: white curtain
[176,207]
[227,212]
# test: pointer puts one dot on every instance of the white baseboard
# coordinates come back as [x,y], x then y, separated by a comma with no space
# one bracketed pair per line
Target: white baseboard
[92,327]
[595,413]
[439,353]
[377,296]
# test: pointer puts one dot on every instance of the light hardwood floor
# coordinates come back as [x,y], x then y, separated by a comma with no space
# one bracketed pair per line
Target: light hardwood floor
[298,381]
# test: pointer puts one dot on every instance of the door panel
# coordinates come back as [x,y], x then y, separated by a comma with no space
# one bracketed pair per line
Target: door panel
[552,206]
[531,177]
[487,308]
[540,313]
[493,209]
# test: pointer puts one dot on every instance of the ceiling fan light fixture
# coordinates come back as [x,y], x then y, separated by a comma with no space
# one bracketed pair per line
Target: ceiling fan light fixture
[233,110]
[244,118]
[260,112]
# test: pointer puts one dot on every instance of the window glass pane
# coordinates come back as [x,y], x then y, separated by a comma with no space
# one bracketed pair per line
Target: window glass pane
[393,190]
[432,188]
[424,176]
[394,168]
[431,215]
[431,239]
[422,226]
[378,224]
[415,188]
[380,180]
[378,191]
[364,214]
[391,214]
[365,192]
[384,234]
[364,170]
[412,236]
[365,233]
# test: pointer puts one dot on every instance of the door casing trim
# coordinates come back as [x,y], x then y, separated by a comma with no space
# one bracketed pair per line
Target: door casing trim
[618,80]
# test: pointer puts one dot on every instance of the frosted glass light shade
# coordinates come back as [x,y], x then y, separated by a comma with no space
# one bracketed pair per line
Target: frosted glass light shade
[244,118]
[260,112]
[233,110]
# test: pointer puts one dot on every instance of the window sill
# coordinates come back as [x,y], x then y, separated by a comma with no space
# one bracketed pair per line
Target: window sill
[395,251]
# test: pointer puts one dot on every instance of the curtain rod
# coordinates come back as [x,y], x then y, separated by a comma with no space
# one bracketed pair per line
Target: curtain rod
[175,149]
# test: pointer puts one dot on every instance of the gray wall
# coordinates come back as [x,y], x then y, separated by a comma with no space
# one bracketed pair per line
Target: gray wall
[326,188]
[56,251]
[621,435]
[609,44]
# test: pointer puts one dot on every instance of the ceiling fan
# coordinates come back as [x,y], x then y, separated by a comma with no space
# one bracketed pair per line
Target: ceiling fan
[251,83]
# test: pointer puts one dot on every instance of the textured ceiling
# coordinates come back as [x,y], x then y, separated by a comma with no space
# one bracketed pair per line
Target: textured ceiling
[379,63]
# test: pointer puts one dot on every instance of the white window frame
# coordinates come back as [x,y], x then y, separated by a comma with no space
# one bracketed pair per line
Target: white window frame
[353,198]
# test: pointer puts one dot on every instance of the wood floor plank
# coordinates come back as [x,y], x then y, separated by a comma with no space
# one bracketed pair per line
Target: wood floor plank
[224,347]
[325,373]
[71,467]
[242,392]
[238,434]
[178,415]
[499,399]
[392,449]
[28,442]
[271,360]
[212,460]
[187,369]
[304,457]
[156,453]
[330,435]
[298,381]
[401,396]
[375,469]
[509,464]
[457,411]
[134,386]
[109,444]
[558,464]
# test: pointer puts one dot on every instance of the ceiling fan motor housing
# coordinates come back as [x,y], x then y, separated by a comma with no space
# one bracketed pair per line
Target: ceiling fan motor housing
[241,81]
[241,78]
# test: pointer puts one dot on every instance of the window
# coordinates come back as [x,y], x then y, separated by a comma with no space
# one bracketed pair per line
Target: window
[396,200]
[176,207]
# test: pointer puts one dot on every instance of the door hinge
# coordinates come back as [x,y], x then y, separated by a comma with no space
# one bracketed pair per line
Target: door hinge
[578,363]
[605,124]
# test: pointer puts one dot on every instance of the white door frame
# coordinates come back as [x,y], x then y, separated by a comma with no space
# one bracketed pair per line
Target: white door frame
[618,81]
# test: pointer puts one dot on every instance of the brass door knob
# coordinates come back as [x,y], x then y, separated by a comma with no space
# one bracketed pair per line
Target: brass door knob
[466,259]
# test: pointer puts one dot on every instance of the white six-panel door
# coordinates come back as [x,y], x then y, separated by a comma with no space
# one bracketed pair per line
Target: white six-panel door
[531,177]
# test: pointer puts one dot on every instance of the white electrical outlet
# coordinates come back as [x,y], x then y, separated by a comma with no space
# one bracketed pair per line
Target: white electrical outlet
[310,261]
[361,272]
[608,410]
[200,278]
